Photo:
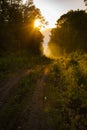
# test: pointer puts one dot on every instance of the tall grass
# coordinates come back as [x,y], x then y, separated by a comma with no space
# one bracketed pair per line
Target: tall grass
[66,93]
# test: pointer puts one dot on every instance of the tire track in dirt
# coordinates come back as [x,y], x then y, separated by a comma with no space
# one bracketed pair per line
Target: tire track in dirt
[5,89]
[37,118]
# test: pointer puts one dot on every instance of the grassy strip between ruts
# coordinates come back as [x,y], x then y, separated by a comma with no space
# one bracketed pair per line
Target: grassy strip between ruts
[17,105]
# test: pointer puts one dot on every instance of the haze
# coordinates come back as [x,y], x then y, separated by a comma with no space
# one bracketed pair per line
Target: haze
[53,9]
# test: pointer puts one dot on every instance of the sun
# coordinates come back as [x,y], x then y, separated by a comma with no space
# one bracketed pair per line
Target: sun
[24,1]
[37,23]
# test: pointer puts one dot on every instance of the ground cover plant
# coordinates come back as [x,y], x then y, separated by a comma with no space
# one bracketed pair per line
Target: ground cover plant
[66,92]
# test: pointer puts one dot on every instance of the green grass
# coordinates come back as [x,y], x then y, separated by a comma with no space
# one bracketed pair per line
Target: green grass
[16,63]
[17,105]
[66,92]
[12,64]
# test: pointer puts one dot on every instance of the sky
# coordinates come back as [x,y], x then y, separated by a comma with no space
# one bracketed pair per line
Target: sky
[53,9]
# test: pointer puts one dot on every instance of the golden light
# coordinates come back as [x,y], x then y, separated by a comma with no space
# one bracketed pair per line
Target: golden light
[37,23]
[24,1]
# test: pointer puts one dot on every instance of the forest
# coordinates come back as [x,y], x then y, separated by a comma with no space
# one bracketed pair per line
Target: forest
[70,33]
[17,27]
[42,91]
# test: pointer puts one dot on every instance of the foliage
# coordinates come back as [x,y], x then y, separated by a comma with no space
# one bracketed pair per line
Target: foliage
[17,26]
[70,32]
[66,92]
[16,107]
[17,62]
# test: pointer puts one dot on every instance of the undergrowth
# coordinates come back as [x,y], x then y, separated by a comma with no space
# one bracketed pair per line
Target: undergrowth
[17,105]
[66,92]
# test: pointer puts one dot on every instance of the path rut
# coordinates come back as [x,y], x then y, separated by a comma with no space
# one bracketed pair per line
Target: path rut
[6,87]
[38,119]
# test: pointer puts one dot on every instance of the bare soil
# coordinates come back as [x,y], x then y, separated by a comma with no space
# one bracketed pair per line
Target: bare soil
[36,118]
[6,87]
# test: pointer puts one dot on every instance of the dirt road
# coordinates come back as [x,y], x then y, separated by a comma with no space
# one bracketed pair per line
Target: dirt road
[36,118]
[6,87]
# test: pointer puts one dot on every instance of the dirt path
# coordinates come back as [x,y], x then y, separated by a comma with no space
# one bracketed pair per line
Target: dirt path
[6,87]
[37,118]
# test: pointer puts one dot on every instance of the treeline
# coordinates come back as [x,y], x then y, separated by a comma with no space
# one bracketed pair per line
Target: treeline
[70,33]
[17,30]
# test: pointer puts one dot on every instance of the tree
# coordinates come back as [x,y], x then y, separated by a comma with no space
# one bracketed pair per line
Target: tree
[18,20]
[70,32]
[31,38]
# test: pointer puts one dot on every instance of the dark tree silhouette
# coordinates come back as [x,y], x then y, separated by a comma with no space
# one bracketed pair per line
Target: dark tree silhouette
[85,2]
[70,33]
[17,26]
